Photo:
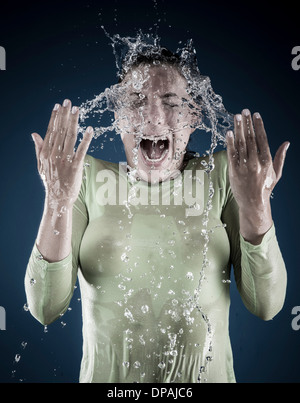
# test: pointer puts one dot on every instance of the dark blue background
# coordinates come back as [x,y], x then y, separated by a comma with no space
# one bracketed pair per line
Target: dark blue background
[57,50]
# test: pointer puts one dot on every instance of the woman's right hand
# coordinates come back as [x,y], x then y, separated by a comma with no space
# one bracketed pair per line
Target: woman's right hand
[59,166]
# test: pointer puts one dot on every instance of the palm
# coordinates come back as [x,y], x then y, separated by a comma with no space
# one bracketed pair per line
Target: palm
[252,172]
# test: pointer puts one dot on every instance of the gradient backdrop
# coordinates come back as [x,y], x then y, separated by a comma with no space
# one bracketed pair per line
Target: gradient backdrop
[57,50]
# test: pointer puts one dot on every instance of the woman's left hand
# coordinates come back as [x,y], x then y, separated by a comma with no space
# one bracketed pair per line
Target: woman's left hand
[252,172]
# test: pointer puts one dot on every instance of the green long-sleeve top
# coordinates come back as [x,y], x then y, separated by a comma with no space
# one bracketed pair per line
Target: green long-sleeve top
[138,266]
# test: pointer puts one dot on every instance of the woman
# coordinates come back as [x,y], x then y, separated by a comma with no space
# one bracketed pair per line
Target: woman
[139,264]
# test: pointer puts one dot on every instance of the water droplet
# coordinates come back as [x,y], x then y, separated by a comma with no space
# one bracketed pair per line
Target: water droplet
[128,315]
[141,340]
[124,258]
[189,275]
[145,308]
[24,344]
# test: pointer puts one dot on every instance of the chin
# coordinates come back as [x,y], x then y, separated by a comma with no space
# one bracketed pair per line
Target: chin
[155,175]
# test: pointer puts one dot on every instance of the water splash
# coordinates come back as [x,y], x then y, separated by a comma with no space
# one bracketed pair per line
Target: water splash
[210,116]
[213,117]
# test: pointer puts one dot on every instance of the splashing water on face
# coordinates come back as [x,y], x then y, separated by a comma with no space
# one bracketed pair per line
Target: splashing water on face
[209,116]
[213,117]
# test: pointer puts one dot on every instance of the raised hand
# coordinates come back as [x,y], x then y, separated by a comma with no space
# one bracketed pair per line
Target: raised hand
[58,165]
[252,172]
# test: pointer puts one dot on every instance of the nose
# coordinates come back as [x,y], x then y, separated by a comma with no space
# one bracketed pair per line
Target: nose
[155,113]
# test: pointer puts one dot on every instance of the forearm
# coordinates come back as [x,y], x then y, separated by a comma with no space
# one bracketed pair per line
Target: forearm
[255,221]
[55,231]
[263,276]
[49,278]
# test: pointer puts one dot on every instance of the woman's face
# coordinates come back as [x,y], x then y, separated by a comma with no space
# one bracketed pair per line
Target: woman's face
[155,121]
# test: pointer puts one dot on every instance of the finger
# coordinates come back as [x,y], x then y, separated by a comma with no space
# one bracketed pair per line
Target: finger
[231,151]
[261,139]
[60,134]
[279,159]
[84,145]
[71,135]
[52,126]
[240,143]
[249,135]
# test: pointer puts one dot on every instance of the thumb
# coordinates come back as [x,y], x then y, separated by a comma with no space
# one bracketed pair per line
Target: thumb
[38,144]
[279,159]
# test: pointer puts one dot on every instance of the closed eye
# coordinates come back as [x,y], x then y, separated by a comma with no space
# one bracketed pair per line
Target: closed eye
[137,100]
[168,101]
[170,105]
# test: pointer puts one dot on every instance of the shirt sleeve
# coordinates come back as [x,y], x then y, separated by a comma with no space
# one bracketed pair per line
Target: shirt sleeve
[49,287]
[259,270]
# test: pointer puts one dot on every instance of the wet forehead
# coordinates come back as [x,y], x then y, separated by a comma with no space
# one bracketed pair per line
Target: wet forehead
[158,80]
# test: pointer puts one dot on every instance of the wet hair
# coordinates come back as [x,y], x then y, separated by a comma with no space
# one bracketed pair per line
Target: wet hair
[156,56]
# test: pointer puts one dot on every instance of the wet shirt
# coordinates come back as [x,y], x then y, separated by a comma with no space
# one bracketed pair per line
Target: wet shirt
[154,264]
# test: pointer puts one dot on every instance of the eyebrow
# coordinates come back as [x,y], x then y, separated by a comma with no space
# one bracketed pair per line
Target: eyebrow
[169,95]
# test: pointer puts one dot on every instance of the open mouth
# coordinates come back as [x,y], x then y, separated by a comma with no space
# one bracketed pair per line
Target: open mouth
[154,149]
